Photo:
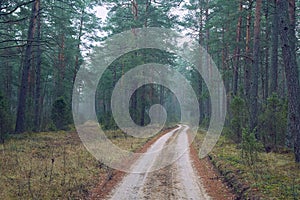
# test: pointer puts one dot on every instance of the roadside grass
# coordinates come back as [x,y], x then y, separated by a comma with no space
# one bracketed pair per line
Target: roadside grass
[53,165]
[272,176]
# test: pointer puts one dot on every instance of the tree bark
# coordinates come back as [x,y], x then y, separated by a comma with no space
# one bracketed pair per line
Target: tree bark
[77,64]
[225,57]
[291,71]
[267,38]
[237,51]
[292,17]
[207,112]
[274,56]
[142,105]
[37,97]
[293,41]
[247,74]
[199,79]
[255,67]
[20,123]
[61,67]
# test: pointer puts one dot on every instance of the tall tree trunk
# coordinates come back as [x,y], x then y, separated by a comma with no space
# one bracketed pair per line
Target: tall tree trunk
[37,97]
[255,67]
[267,38]
[225,57]
[292,17]
[293,41]
[148,3]
[208,104]
[29,116]
[291,71]
[61,67]
[199,80]
[77,64]
[247,74]
[142,105]
[20,123]
[134,9]
[274,56]
[134,105]
[237,50]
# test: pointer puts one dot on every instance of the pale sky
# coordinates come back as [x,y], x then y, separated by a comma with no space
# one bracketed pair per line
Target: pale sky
[101,12]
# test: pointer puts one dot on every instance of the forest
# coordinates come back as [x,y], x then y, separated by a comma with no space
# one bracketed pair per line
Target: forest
[254,44]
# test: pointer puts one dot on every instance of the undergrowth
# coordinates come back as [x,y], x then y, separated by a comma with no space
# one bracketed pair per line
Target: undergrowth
[52,165]
[271,176]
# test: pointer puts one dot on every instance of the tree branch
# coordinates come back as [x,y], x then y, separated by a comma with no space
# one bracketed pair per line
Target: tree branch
[18,6]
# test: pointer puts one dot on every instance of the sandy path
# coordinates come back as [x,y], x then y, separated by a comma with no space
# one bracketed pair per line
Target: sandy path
[176,181]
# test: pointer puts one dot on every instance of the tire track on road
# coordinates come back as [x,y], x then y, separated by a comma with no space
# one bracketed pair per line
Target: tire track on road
[176,181]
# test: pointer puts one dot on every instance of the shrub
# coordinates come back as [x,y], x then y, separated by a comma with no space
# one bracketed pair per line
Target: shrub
[5,118]
[239,118]
[61,115]
[273,123]
[250,147]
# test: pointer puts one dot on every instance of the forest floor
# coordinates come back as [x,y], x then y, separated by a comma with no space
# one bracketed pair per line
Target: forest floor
[186,178]
[53,165]
[56,165]
[273,175]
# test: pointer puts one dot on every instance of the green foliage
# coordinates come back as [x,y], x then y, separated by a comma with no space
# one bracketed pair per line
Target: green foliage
[120,15]
[273,123]
[239,118]
[50,126]
[250,147]
[205,122]
[60,114]
[65,27]
[274,176]
[107,122]
[5,118]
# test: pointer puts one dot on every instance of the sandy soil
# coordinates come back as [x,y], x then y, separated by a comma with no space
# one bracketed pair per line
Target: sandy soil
[176,181]
[186,178]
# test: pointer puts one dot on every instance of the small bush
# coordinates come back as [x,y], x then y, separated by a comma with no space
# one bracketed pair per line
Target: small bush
[239,118]
[107,122]
[250,147]
[5,118]
[273,123]
[61,115]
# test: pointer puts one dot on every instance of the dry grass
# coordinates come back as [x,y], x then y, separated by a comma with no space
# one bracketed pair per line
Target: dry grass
[52,165]
[273,176]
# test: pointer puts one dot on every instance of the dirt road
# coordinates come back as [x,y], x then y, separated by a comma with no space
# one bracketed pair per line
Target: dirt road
[176,181]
